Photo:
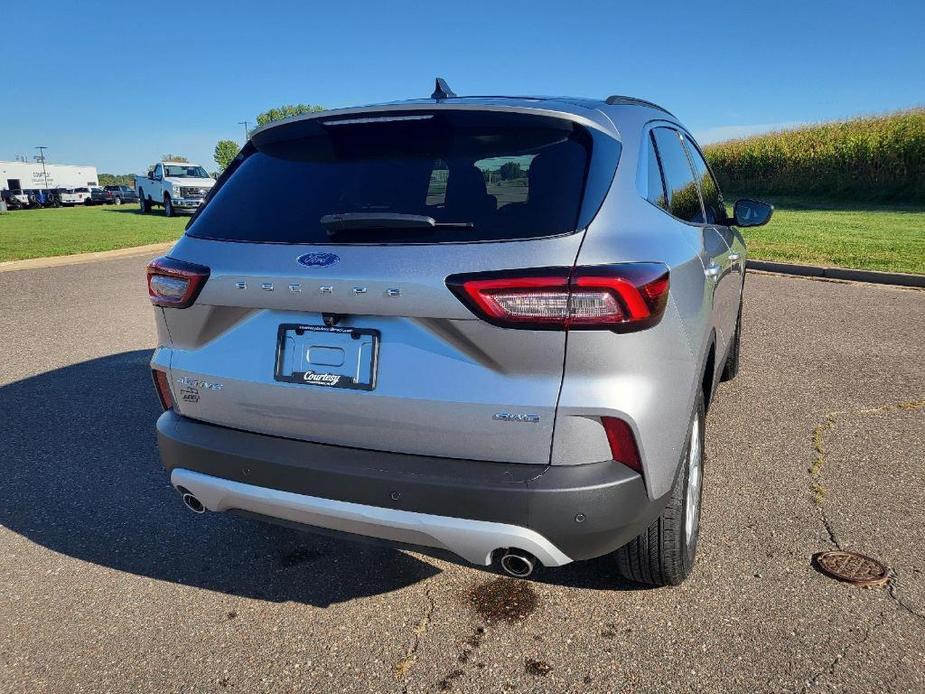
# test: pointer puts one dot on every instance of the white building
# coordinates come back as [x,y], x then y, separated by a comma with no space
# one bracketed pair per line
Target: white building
[18,175]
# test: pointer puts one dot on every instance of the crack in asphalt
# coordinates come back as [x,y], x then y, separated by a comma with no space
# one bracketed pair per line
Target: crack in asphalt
[839,657]
[891,589]
[403,666]
[820,493]
[818,489]
[819,432]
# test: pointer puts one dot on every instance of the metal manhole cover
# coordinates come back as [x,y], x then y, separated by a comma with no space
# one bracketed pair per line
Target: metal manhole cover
[852,567]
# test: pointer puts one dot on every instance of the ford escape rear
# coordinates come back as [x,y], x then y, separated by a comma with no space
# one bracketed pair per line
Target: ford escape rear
[488,325]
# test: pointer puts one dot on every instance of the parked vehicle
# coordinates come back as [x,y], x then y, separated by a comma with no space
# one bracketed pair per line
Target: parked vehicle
[15,199]
[120,194]
[24,198]
[42,197]
[178,186]
[68,197]
[83,194]
[112,195]
[515,371]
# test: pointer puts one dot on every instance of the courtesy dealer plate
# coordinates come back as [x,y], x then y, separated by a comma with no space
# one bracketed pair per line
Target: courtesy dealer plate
[326,357]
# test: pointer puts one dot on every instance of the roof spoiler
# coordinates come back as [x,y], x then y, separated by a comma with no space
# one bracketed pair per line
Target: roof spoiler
[618,100]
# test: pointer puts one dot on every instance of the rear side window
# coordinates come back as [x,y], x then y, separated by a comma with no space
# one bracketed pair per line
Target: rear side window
[480,176]
[683,197]
[713,203]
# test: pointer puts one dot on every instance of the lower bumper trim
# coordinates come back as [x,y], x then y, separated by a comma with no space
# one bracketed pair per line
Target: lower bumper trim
[473,540]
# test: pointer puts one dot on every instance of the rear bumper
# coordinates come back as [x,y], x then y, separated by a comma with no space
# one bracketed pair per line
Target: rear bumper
[471,508]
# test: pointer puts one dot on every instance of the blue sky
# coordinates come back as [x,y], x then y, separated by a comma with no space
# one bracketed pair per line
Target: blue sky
[118,84]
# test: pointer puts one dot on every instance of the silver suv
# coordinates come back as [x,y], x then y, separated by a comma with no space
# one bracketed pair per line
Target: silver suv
[489,325]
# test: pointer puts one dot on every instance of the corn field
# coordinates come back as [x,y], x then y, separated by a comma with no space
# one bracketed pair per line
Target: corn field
[879,158]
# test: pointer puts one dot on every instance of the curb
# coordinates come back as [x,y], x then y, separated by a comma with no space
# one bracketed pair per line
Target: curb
[80,258]
[899,279]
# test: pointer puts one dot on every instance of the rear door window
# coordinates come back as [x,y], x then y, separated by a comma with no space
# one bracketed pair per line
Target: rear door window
[683,196]
[479,176]
[713,204]
[655,192]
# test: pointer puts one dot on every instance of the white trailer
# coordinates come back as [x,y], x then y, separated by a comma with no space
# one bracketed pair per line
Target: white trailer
[18,175]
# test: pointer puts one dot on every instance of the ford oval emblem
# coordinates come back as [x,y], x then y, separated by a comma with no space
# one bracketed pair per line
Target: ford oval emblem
[318,259]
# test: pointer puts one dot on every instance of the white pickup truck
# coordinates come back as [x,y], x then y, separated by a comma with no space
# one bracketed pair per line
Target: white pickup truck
[178,186]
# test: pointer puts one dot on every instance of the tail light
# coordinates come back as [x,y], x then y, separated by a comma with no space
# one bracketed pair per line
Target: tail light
[622,443]
[162,386]
[621,298]
[175,283]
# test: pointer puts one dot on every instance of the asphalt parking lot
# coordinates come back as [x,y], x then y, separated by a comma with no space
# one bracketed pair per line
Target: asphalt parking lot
[108,584]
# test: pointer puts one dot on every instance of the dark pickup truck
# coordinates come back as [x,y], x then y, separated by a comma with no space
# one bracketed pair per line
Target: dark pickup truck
[112,195]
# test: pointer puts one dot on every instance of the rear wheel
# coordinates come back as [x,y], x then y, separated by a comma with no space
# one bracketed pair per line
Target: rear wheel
[663,555]
[144,205]
[168,206]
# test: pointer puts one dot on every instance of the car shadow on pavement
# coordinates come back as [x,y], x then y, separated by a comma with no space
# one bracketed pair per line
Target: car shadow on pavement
[81,476]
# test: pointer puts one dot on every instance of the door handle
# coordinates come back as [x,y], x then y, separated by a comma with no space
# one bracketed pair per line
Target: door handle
[712,271]
[734,256]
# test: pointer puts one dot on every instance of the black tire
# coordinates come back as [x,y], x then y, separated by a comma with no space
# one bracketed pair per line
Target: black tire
[663,555]
[144,205]
[168,206]
[731,367]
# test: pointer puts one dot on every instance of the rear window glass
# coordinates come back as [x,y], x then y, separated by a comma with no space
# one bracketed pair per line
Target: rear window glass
[656,187]
[683,196]
[476,176]
[709,191]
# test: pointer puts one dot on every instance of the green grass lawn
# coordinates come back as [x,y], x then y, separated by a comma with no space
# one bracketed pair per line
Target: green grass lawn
[867,236]
[38,233]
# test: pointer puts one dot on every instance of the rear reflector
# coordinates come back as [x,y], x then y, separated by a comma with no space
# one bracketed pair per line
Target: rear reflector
[162,386]
[622,298]
[175,283]
[622,443]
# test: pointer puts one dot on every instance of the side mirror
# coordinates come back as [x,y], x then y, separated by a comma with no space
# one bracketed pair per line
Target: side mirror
[751,213]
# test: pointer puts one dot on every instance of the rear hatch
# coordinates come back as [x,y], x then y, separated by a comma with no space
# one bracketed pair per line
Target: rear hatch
[327,317]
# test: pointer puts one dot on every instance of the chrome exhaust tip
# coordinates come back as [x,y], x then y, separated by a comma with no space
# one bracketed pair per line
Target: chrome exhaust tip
[192,503]
[517,563]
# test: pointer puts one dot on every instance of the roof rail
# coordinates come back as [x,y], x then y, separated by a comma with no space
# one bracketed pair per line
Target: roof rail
[617,100]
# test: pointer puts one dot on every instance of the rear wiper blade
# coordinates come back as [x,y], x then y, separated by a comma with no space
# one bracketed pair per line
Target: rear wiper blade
[365,221]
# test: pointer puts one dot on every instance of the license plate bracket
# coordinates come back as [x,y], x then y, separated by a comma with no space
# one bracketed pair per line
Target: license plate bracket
[327,357]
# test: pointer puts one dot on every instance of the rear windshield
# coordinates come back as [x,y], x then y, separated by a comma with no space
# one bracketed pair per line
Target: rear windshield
[477,176]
